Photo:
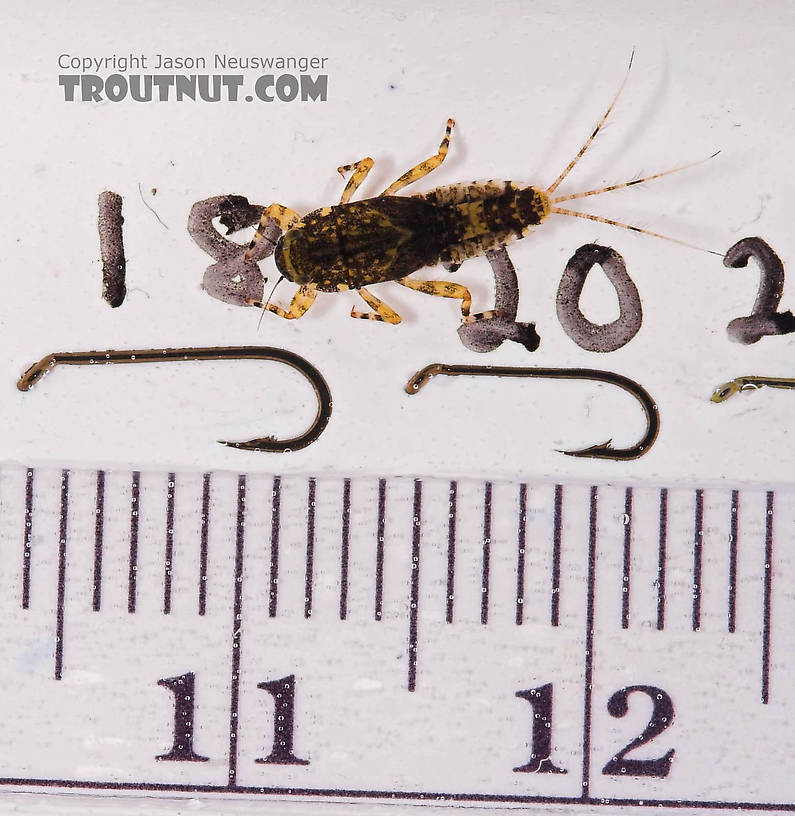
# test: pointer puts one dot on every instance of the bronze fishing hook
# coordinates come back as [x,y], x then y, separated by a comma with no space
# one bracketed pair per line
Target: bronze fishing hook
[265,443]
[599,451]
[749,383]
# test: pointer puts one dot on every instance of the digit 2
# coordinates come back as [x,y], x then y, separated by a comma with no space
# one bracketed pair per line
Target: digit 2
[661,717]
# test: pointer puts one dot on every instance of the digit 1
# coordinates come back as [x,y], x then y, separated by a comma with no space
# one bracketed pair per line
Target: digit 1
[182,749]
[540,700]
[283,693]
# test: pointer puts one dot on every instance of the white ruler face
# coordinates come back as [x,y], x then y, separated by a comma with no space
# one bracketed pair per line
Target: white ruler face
[412,640]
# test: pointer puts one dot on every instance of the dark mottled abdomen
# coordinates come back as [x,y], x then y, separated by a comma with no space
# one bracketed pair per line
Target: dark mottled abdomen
[381,239]
[488,214]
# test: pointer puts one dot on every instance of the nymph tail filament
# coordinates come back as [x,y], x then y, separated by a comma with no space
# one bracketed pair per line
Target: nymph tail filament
[557,200]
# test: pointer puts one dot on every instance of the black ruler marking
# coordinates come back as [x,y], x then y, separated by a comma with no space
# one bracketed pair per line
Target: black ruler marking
[414,603]
[661,559]
[379,549]
[556,537]
[391,795]
[135,491]
[169,556]
[698,537]
[204,544]
[237,626]
[61,596]
[99,534]
[345,547]
[521,537]
[451,534]
[698,532]
[733,532]
[27,538]
[625,578]
[589,641]
[768,590]
[310,548]
[273,579]
[484,576]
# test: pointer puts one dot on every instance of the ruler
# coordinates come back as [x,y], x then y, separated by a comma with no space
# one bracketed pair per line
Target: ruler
[413,640]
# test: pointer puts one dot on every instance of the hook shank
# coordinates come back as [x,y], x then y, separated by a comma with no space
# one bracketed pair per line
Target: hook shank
[602,450]
[266,443]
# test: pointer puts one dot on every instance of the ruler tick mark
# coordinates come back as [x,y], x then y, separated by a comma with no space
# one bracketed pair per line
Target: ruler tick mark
[203,544]
[768,588]
[273,581]
[698,536]
[484,579]
[40,495]
[135,492]
[451,534]
[237,625]
[556,543]
[661,559]
[379,549]
[59,606]
[27,538]
[733,530]
[171,489]
[589,641]
[310,548]
[345,548]
[625,579]
[414,602]
[521,543]
[99,532]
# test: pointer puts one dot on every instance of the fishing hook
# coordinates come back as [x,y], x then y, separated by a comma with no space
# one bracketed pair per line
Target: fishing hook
[750,383]
[265,443]
[599,451]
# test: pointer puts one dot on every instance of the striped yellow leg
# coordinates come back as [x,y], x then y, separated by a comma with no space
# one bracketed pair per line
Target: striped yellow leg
[299,305]
[441,289]
[284,216]
[381,311]
[360,170]
[423,168]
[448,290]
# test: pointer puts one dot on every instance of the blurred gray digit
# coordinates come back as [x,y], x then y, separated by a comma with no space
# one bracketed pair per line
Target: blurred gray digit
[594,336]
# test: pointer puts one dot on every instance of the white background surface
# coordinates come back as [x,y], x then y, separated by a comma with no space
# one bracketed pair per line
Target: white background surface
[526,82]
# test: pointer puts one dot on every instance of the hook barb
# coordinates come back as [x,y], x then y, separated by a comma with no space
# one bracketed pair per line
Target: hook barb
[265,443]
[604,450]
